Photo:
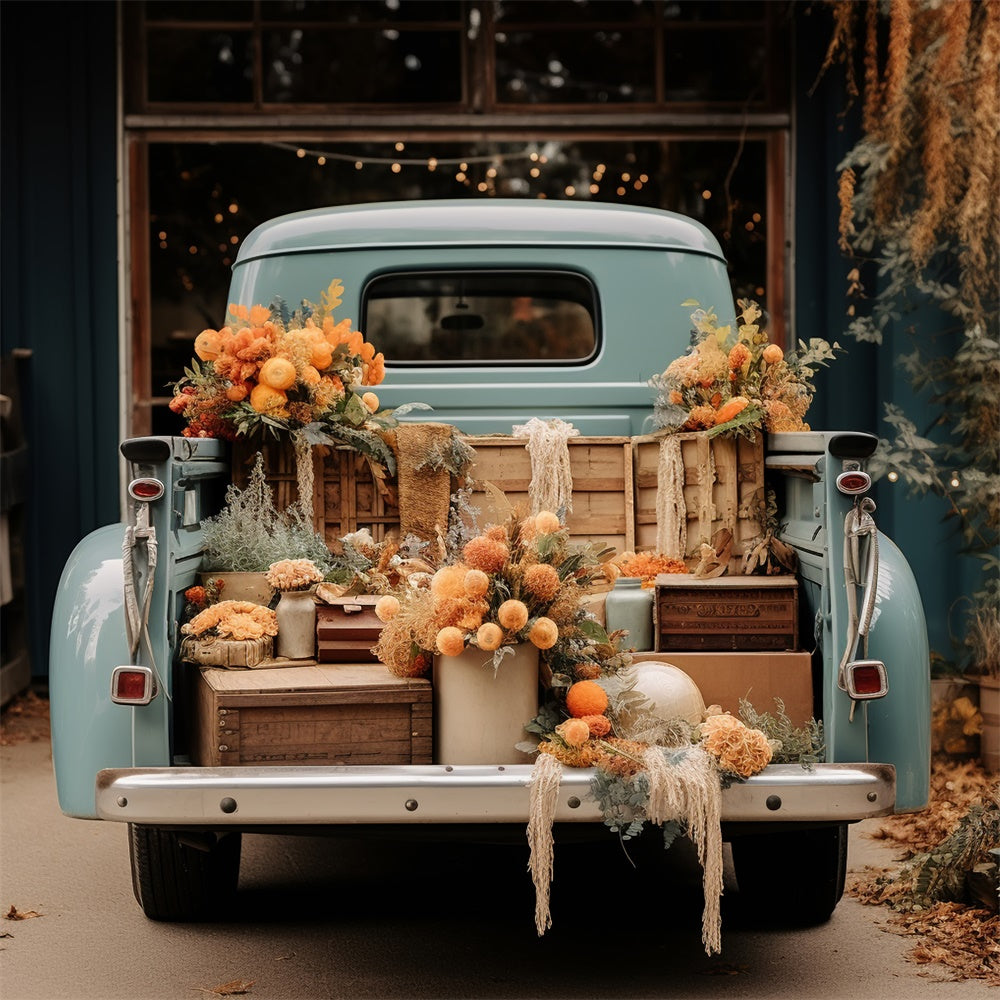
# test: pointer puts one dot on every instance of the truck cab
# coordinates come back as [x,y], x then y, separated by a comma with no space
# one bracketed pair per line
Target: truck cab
[490,313]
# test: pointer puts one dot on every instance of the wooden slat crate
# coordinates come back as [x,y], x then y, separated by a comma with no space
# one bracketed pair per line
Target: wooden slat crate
[601,468]
[347,629]
[345,495]
[724,500]
[317,714]
[750,613]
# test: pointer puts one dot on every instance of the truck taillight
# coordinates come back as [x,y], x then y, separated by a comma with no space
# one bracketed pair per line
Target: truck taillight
[854,482]
[132,685]
[866,679]
[145,489]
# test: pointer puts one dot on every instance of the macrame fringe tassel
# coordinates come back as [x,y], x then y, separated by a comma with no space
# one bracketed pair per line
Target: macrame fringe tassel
[544,795]
[671,511]
[304,473]
[687,788]
[551,479]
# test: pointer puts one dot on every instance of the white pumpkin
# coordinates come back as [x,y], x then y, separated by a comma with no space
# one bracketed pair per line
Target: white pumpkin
[673,693]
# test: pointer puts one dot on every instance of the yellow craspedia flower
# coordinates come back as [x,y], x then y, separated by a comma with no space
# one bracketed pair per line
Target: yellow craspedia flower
[543,633]
[450,641]
[546,522]
[512,615]
[489,636]
[387,607]
[477,583]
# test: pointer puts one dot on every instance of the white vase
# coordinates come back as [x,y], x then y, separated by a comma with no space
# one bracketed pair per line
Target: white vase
[296,613]
[479,713]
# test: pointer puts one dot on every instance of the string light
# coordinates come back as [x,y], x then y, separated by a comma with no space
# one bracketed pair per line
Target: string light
[893,476]
[955,481]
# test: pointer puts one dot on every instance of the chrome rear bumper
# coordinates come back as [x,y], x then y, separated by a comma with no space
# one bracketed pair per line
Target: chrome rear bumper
[469,794]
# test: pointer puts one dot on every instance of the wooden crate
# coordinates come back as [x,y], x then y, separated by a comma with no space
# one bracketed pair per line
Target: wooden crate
[347,629]
[317,714]
[750,613]
[711,501]
[601,468]
[345,498]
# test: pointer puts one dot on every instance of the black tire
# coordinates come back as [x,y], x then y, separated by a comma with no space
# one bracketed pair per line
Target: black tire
[179,876]
[792,877]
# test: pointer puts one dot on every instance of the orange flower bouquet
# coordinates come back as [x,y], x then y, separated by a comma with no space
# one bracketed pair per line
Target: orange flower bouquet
[516,582]
[304,373]
[738,381]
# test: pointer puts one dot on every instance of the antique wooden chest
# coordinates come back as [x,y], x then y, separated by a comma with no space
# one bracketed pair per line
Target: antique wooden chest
[355,713]
[346,630]
[751,613]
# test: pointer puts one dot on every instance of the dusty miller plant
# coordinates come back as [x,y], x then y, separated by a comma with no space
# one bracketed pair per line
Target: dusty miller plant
[250,533]
[919,214]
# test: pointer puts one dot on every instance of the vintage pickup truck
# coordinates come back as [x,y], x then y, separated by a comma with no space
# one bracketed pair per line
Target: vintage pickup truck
[425,281]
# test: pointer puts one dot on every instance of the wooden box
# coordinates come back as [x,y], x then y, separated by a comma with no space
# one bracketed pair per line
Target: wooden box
[721,477]
[215,652]
[342,714]
[750,613]
[346,630]
[601,469]
[346,497]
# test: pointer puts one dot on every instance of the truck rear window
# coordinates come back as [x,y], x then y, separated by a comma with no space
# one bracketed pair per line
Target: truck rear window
[481,317]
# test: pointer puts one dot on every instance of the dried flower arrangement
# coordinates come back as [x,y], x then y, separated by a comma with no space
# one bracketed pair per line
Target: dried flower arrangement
[298,373]
[737,382]
[233,620]
[520,581]
[293,574]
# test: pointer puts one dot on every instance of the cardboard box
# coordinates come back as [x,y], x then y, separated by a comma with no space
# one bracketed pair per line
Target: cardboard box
[725,678]
[347,629]
[722,475]
[725,613]
[354,713]
[601,469]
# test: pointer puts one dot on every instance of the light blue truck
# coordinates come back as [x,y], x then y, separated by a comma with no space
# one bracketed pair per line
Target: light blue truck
[444,289]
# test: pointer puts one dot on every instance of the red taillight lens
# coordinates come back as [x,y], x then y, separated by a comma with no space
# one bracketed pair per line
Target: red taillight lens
[145,489]
[853,483]
[866,679]
[132,686]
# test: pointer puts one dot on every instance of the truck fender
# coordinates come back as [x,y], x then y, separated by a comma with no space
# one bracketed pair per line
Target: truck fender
[87,642]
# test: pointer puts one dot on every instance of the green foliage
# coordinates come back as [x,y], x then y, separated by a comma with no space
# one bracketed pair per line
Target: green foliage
[622,801]
[939,875]
[805,745]
[250,533]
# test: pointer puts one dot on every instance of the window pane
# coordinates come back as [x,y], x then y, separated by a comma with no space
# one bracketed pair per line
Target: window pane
[480,317]
[590,67]
[217,66]
[199,10]
[359,66]
[541,11]
[715,65]
[359,11]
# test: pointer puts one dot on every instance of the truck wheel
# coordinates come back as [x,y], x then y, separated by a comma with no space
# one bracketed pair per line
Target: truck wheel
[183,876]
[792,877]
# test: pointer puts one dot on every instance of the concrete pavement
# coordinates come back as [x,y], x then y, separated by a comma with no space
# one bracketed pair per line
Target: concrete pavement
[326,919]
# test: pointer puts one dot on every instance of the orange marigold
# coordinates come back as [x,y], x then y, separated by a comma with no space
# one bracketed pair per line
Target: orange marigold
[586,698]
[489,636]
[450,641]
[512,615]
[739,355]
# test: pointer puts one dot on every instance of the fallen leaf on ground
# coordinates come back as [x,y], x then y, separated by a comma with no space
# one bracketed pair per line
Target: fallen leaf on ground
[15,914]
[236,987]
